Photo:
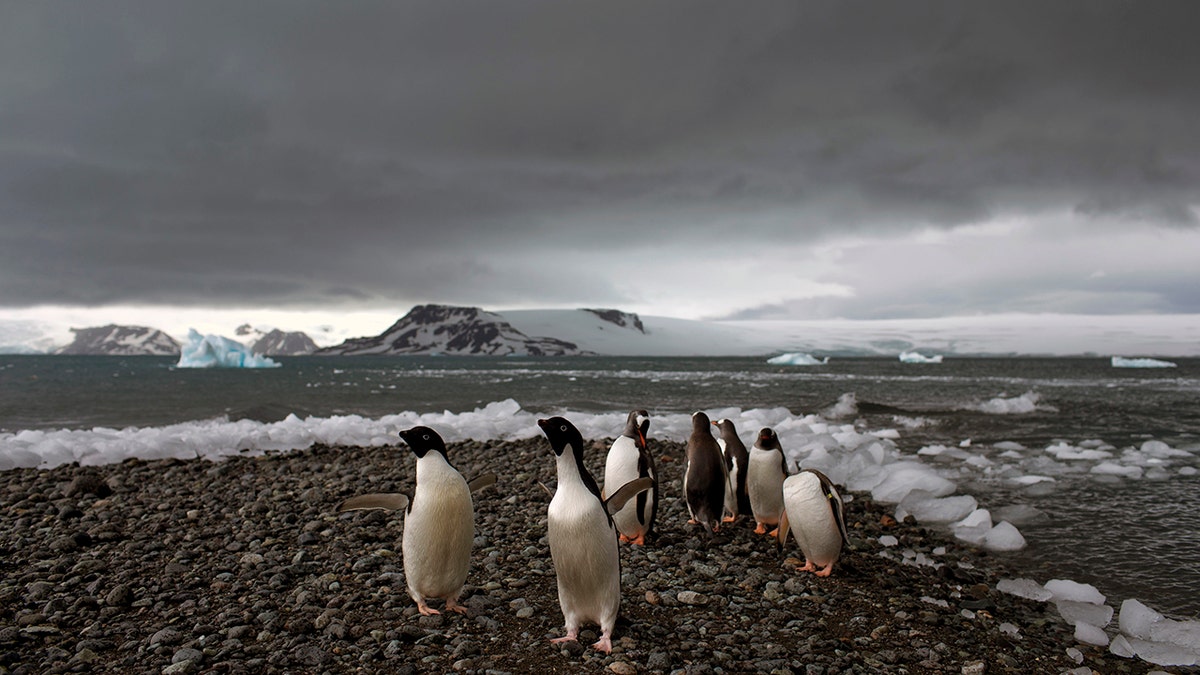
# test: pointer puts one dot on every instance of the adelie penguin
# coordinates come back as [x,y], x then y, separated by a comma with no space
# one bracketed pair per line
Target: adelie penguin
[764,480]
[705,477]
[583,539]
[813,508]
[628,459]
[737,460]
[439,522]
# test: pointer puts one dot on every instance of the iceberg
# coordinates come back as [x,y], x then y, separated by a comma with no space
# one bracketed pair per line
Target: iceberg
[915,357]
[797,359]
[1120,362]
[214,351]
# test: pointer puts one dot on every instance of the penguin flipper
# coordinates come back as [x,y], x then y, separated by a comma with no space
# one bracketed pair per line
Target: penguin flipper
[626,492]
[479,482]
[392,501]
[782,533]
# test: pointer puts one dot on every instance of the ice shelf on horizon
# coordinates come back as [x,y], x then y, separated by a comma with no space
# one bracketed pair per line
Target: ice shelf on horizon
[797,359]
[914,357]
[1122,362]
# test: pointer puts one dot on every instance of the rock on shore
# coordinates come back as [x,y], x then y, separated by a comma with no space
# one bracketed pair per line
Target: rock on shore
[244,566]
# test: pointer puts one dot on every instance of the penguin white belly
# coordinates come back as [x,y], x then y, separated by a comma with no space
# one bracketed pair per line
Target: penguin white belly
[438,532]
[811,518]
[620,468]
[764,483]
[584,550]
[731,501]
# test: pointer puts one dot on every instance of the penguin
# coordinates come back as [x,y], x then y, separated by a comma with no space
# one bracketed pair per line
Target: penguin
[705,477]
[764,480]
[629,458]
[583,538]
[814,509]
[737,501]
[439,522]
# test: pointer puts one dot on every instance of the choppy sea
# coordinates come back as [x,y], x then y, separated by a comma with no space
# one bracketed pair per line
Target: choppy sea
[1103,462]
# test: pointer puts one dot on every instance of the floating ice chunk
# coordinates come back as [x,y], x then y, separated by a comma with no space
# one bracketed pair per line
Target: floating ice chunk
[929,509]
[1025,403]
[846,406]
[1161,450]
[1188,471]
[916,357]
[1065,589]
[904,477]
[797,359]
[1024,588]
[1032,479]
[1112,469]
[1073,611]
[1120,362]
[1089,634]
[1064,451]
[1003,537]
[1009,445]
[214,351]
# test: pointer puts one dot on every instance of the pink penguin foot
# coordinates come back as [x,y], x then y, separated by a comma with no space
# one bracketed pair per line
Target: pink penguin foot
[825,571]
[425,609]
[453,606]
[604,644]
[571,636]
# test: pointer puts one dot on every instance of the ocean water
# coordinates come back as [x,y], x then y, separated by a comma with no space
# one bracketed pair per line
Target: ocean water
[1103,461]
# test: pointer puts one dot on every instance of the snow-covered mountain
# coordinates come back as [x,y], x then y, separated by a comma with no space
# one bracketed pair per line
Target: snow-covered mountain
[121,341]
[275,342]
[441,329]
[280,343]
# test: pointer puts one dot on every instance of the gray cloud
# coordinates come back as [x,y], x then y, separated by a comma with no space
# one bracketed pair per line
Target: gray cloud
[294,153]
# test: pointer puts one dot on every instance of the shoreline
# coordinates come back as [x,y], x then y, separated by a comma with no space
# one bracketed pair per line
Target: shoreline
[243,565]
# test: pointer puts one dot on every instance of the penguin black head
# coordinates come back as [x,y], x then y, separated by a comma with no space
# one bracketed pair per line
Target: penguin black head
[561,434]
[423,439]
[767,439]
[701,423]
[637,424]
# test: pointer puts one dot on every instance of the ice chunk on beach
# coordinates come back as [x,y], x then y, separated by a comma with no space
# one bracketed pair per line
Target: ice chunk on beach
[1073,611]
[1019,514]
[1090,634]
[1113,469]
[1136,619]
[1065,589]
[1024,588]
[1120,362]
[215,351]
[929,509]
[1164,653]
[916,357]
[1003,536]
[974,527]
[904,477]
[797,359]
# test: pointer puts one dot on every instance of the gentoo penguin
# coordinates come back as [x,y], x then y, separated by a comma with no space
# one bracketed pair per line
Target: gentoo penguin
[705,478]
[813,507]
[737,501]
[629,458]
[439,522]
[764,480]
[583,539]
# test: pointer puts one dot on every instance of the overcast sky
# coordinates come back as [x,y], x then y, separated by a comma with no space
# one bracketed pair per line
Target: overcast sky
[691,159]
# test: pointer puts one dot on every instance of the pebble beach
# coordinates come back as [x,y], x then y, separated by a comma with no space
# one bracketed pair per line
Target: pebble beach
[244,566]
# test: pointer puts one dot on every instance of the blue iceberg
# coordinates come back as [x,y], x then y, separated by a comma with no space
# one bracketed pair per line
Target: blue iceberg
[1119,362]
[797,359]
[214,351]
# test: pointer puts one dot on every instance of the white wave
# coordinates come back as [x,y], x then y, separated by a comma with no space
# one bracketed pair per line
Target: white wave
[1120,362]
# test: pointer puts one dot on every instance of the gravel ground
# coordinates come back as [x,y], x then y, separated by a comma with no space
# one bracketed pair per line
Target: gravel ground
[244,566]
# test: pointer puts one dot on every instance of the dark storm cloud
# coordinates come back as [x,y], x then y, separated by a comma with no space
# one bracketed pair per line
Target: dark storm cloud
[323,153]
